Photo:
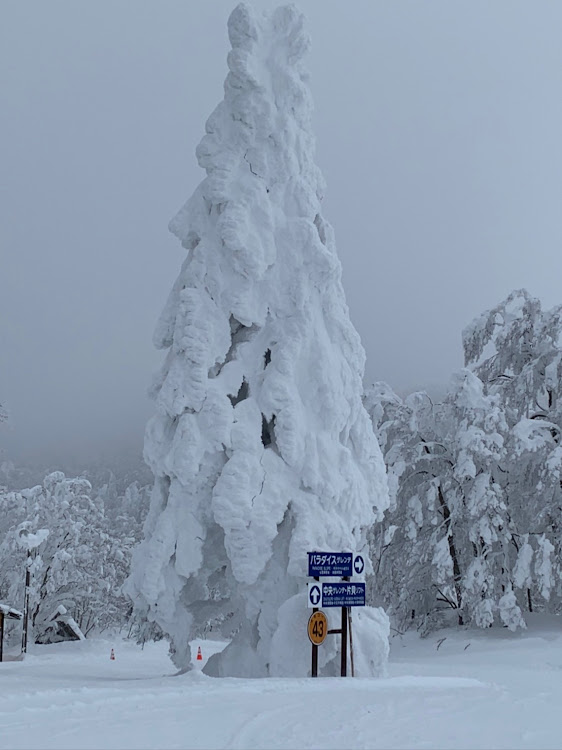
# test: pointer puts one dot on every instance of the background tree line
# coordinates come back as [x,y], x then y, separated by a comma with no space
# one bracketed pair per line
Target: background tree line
[474,529]
[77,539]
[473,533]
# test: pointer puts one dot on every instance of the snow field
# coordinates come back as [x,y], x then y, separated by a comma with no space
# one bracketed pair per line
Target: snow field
[474,689]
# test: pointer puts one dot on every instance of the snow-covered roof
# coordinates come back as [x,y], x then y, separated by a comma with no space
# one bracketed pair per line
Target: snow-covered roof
[10,612]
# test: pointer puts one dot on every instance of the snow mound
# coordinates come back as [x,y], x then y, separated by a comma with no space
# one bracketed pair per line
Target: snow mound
[371,630]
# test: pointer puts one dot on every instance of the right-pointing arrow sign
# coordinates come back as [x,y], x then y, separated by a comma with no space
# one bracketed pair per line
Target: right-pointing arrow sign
[358,565]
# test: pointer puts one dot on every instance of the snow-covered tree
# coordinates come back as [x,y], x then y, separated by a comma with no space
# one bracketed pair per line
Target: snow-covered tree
[77,556]
[447,538]
[261,448]
[401,545]
[515,350]
[416,550]
[476,436]
[475,481]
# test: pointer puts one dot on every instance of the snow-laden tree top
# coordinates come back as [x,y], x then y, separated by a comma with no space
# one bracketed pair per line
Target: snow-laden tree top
[502,341]
[261,447]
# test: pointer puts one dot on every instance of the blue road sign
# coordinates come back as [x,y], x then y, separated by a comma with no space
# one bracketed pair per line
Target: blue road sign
[330,564]
[336,564]
[345,594]
[314,594]
[358,565]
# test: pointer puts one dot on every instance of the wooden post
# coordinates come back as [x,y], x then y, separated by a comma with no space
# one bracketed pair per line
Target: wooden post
[314,669]
[351,642]
[1,636]
[26,603]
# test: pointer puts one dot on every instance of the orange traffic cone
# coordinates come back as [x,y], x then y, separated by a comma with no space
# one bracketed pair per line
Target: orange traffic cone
[112,655]
[199,654]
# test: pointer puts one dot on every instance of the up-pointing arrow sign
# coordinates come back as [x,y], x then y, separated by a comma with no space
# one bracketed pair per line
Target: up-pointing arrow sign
[314,595]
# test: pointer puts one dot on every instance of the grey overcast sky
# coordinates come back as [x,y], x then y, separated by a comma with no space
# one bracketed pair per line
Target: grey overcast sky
[439,127]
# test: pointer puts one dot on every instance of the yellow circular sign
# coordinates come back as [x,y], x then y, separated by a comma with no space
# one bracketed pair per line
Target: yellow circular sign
[317,628]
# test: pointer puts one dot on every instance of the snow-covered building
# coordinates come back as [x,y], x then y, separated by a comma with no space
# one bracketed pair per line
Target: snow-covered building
[6,613]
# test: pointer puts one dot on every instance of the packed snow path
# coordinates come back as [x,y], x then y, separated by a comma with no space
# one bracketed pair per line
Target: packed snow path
[477,690]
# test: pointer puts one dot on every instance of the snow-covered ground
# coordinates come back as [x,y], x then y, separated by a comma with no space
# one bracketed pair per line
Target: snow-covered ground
[474,689]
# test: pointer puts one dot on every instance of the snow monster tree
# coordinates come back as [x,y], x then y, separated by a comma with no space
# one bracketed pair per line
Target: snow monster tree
[261,448]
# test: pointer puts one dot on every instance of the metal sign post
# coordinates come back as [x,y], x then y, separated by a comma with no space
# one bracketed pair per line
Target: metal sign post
[351,642]
[345,594]
[344,641]
[344,615]
[314,666]
[26,602]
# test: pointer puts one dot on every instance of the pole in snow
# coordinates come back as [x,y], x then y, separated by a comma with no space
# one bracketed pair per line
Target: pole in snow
[314,666]
[26,602]
[351,642]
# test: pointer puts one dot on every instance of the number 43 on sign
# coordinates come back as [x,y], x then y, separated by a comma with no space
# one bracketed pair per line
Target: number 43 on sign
[317,628]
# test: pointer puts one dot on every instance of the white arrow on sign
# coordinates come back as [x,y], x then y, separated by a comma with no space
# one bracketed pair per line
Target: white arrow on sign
[314,595]
[358,565]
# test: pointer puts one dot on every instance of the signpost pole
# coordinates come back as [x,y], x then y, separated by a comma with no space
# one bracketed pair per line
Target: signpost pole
[1,636]
[345,595]
[344,641]
[351,642]
[26,603]
[344,638]
[314,670]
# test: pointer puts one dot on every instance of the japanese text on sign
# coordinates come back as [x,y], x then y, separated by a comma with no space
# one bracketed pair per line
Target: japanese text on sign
[330,564]
[336,594]
[343,594]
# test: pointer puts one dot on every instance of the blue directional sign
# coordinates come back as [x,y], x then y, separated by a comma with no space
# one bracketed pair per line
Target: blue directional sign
[358,565]
[330,564]
[344,594]
[336,564]
[314,594]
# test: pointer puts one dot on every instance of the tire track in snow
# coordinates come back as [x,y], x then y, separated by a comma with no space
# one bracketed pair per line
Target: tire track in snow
[256,731]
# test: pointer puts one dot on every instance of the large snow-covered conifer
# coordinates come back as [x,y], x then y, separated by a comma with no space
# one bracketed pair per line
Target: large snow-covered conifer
[261,448]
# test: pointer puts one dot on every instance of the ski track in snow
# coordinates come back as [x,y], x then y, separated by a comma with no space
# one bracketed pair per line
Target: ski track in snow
[501,691]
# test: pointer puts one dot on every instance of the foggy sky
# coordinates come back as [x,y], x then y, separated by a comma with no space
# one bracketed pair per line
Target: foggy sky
[438,130]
